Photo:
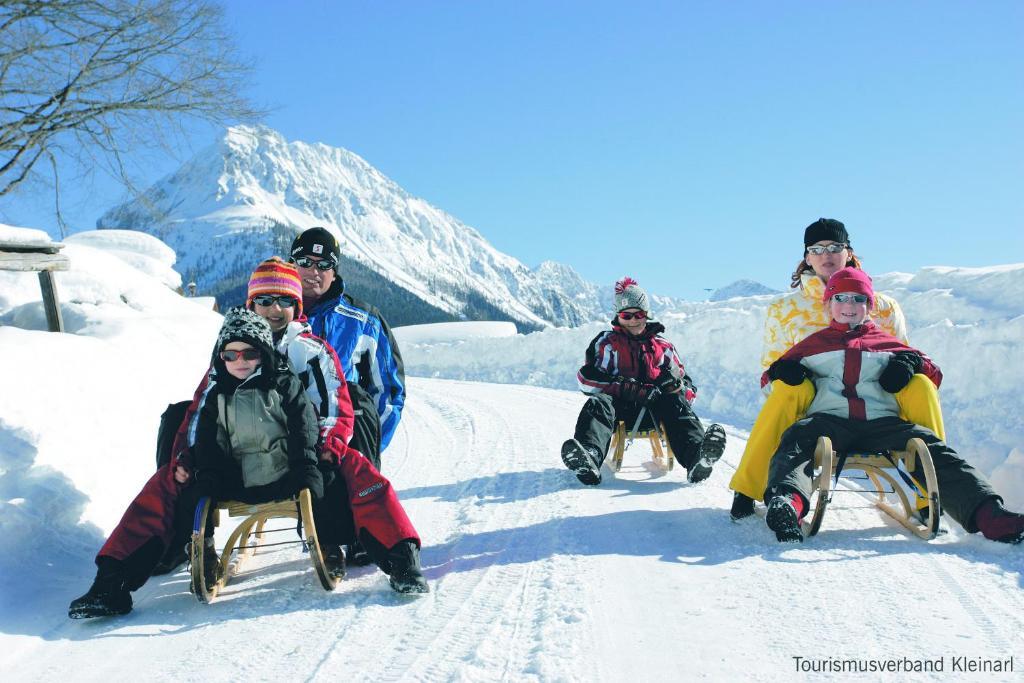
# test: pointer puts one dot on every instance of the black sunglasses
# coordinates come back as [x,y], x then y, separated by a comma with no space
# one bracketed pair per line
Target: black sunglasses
[269,300]
[307,262]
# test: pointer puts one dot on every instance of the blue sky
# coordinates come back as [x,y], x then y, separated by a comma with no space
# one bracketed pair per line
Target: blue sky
[684,143]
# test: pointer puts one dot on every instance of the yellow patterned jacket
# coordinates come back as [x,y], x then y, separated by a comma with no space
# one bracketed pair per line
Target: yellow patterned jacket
[797,314]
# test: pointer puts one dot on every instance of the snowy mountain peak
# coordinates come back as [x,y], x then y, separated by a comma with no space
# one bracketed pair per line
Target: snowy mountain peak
[741,288]
[245,197]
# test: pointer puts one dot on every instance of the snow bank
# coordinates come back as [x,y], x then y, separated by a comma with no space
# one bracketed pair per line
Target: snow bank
[138,249]
[84,406]
[26,236]
[434,333]
[969,320]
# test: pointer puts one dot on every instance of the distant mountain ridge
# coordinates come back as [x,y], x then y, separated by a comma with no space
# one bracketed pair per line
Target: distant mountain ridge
[245,197]
[741,288]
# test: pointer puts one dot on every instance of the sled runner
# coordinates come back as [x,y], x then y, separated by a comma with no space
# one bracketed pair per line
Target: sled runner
[623,439]
[249,536]
[880,470]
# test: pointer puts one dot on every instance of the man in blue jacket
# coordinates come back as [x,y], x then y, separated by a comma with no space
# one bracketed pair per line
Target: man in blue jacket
[359,335]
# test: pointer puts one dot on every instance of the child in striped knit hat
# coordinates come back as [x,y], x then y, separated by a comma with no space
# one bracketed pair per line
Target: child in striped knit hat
[379,522]
[275,292]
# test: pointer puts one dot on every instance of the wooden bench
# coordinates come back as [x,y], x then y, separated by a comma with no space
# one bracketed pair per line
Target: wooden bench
[42,257]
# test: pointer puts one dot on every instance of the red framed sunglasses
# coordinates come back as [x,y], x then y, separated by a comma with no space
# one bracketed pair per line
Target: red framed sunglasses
[231,356]
[639,315]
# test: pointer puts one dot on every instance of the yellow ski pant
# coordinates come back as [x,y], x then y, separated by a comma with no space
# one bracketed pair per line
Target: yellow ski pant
[918,401]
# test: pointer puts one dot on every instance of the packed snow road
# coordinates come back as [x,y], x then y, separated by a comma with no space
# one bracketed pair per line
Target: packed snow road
[536,578]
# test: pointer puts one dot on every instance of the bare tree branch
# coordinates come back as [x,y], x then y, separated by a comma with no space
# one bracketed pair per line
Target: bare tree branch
[107,76]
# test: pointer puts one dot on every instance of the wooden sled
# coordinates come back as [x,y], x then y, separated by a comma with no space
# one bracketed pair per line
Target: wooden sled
[248,536]
[622,439]
[880,470]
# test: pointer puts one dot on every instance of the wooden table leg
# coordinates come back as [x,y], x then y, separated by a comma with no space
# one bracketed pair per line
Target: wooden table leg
[50,302]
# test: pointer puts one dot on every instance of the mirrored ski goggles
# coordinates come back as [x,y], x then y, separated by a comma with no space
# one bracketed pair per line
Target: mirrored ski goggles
[818,249]
[850,298]
[306,262]
[639,315]
[269,300]
[230,356]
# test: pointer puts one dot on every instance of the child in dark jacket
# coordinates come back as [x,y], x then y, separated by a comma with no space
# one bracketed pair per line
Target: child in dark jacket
[856,368]
[255,440]
[627,368]
[256,430]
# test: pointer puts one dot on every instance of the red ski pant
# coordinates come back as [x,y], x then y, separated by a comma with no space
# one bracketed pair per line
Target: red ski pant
[374,502]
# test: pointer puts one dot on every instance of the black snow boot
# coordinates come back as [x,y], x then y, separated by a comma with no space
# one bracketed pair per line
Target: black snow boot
[172,559]
[711,448]
[357,555]
[742,507]
[108,596]
[784,518]
[585,461]
[334,561]
[212,571]
[404,566]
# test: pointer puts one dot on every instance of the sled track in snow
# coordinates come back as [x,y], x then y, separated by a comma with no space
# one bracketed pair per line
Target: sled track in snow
[489,610]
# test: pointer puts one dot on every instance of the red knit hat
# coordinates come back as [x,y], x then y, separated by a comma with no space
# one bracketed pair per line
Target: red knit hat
[849,280]
[277,278]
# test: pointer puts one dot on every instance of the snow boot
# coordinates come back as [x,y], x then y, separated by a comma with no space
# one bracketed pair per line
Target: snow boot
[334,561]
[108,596]
[357,555]
[212,571]
[171,561]
[711,448]
[998,524]
[742,507]
[784,515]
[404,565]
[585,461]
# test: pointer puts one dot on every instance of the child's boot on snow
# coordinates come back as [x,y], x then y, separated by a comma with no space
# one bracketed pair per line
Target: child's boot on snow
[585,461]
[784,515]
[997,523]
[334,561]
[711,448]
[108,596]
[404,568]
[212,571]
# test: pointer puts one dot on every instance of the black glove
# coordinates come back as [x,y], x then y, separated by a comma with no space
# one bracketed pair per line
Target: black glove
[902,366]
[789,371]
[328,471]
[631,390]
[667,384]
[306,477]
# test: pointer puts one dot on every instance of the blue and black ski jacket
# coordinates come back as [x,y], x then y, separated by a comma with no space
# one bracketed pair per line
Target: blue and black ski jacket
[367,350]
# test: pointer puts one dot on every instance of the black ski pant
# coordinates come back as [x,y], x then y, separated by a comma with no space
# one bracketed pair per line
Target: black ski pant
[683,429]
[962,489]
[332,514]
[366,431]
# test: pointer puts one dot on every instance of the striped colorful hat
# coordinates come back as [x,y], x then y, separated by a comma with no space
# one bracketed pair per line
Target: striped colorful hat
[277,278]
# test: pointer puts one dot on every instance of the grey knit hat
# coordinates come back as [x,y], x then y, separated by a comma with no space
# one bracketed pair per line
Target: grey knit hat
[243,325]
[628,294]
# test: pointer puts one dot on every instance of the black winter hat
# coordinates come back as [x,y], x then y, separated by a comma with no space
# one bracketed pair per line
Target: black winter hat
[825,229]
[241,324]
[316,242]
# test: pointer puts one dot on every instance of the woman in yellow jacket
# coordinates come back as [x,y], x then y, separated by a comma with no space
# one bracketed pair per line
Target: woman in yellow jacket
[790,319]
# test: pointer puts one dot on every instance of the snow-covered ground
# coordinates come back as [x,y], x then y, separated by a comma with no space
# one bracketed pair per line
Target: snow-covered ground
[533,576]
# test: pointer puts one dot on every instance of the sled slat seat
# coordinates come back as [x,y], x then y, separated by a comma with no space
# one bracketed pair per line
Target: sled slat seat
[661,449]
[248,536]
[881,469]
